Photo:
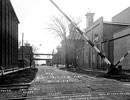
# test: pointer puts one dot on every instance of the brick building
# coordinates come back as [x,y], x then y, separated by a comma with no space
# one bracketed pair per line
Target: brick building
[109,37]
[121,38]
[101,33]
[57,57]
[26,54]
[74,45]
[8,35]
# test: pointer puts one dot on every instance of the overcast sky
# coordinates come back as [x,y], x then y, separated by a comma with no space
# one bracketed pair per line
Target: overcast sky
[35,14]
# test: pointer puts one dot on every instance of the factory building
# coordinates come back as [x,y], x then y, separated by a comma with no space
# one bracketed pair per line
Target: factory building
[8,35]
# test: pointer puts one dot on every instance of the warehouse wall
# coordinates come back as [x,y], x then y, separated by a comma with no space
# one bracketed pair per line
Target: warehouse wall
[9,35]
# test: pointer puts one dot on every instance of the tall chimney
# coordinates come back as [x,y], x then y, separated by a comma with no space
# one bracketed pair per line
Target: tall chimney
[89,19]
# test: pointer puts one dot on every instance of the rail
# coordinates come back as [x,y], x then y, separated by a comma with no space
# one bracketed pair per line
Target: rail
[9,71]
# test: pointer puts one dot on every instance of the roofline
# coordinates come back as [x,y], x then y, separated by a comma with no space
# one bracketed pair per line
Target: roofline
[116,23]
[14,11]
[121,12]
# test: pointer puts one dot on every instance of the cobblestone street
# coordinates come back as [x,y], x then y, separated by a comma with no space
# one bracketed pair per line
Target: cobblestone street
[54,84]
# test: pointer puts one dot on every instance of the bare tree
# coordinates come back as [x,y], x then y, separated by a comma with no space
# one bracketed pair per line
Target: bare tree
[59,26]
[34,49]
[74,35]
[72,29]
[76,20]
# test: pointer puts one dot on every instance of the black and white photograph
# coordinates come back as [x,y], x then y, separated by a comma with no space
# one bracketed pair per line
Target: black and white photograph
[64,49]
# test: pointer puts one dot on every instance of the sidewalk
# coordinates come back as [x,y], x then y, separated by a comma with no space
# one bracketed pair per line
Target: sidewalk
[18,77]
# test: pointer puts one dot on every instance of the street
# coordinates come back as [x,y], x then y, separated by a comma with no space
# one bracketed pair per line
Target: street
[54,84]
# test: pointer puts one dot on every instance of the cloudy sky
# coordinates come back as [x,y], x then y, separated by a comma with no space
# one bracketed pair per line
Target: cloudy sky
[35,14]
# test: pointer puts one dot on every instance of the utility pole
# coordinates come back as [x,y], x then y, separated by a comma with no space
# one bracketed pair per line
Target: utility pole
[22,49]
[53,57]
[30,52]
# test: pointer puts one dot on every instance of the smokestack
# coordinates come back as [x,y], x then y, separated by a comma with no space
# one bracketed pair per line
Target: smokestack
[89,19]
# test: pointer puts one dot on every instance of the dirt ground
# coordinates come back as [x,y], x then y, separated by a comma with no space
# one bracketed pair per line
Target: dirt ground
[124,77]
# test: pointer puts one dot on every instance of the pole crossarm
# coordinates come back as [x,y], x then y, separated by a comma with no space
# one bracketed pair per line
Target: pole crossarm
[42,54]
[37,54]
[82,34]
[40,59]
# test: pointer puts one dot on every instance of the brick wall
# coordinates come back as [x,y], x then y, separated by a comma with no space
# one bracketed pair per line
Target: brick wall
[121,46]
[80,53]
[94,32]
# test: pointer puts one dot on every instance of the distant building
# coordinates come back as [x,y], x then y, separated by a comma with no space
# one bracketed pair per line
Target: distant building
[74,45]
[69,51]
[49,62]
[26,54]
[57,59]
[8,35]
